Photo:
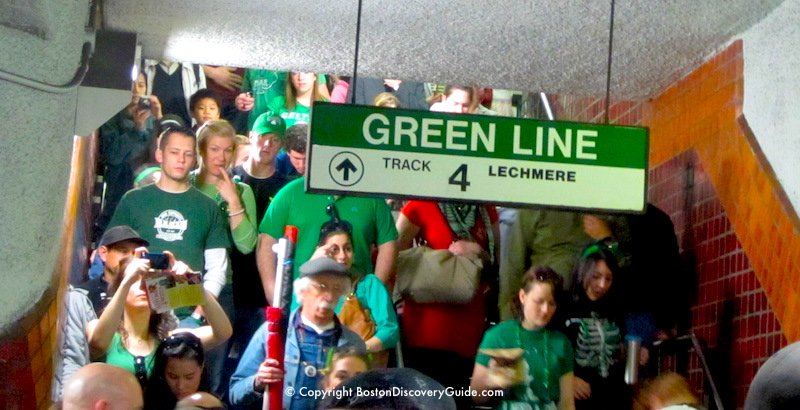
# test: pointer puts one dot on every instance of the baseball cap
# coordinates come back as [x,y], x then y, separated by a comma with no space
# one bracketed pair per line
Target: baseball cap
[321,266]
[269,123]
[121,233]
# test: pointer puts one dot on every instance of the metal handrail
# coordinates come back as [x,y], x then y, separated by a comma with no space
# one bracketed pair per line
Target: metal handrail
[698,348]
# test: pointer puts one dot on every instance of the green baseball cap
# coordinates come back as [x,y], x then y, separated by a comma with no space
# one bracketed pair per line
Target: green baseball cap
[269,123]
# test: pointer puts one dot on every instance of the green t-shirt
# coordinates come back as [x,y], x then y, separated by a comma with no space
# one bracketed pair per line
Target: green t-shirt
[264,85]
[370,217]
[118,356]
[185,223]
[301,114]
[548,356]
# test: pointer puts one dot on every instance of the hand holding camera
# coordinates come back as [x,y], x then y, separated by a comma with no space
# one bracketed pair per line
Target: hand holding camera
[166,263]
[144,102]
[145,106]
[170,283]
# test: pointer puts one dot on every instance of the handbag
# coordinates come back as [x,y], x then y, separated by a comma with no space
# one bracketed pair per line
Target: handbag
[428,275]
[356,317]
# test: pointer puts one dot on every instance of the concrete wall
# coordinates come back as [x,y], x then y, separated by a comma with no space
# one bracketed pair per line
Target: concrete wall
[36,153]
[772,91]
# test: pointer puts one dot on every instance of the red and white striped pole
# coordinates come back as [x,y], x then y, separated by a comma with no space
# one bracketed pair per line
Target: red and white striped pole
[277,315]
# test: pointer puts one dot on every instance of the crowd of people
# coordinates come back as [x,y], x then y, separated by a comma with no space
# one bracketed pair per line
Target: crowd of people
[212,179]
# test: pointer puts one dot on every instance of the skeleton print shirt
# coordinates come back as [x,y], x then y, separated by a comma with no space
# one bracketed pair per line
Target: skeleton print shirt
[597,341]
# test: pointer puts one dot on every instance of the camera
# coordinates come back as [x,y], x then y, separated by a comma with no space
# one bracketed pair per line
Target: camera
[157,260]
[144,102]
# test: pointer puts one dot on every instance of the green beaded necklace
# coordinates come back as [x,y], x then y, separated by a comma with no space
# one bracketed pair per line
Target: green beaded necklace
[545,356]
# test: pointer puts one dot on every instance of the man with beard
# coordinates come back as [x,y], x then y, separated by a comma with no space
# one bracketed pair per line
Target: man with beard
[313,330]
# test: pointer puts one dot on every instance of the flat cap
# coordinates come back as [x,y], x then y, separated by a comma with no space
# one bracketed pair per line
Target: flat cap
[320,266]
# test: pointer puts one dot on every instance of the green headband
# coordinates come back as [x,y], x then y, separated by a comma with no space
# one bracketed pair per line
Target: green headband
[600,246]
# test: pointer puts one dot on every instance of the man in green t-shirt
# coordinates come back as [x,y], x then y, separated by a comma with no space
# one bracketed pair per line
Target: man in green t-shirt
[371,220]
[173,215]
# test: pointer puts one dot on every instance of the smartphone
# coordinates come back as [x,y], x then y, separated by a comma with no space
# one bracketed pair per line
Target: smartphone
[157,260]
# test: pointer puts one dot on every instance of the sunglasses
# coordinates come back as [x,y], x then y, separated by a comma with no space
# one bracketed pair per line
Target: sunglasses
[332,212]
[185,338]
[140,369]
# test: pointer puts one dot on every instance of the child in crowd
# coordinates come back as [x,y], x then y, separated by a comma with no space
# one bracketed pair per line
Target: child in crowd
[204,106]
[668,391]
[387,100]
[344,364]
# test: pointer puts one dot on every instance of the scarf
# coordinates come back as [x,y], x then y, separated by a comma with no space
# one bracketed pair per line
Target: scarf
[461,219]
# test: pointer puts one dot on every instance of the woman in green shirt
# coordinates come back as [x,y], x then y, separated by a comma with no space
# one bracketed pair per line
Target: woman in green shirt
[128,332]
[336,242]
[301,91]
[216,143]
[530,362]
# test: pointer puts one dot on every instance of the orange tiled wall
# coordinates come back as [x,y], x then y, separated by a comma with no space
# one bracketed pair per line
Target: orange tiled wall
[703,112]
[734,219]
[745,231]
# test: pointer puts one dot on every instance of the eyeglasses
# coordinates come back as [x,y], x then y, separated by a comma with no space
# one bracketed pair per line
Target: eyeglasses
[333,289]
[141,369]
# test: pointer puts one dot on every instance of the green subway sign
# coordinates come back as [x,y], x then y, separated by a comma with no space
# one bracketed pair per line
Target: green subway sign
[441,156]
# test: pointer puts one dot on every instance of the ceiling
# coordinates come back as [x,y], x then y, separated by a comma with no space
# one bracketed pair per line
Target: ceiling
[559,47]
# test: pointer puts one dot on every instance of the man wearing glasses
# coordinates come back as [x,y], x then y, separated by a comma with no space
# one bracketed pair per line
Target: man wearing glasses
[313,330]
